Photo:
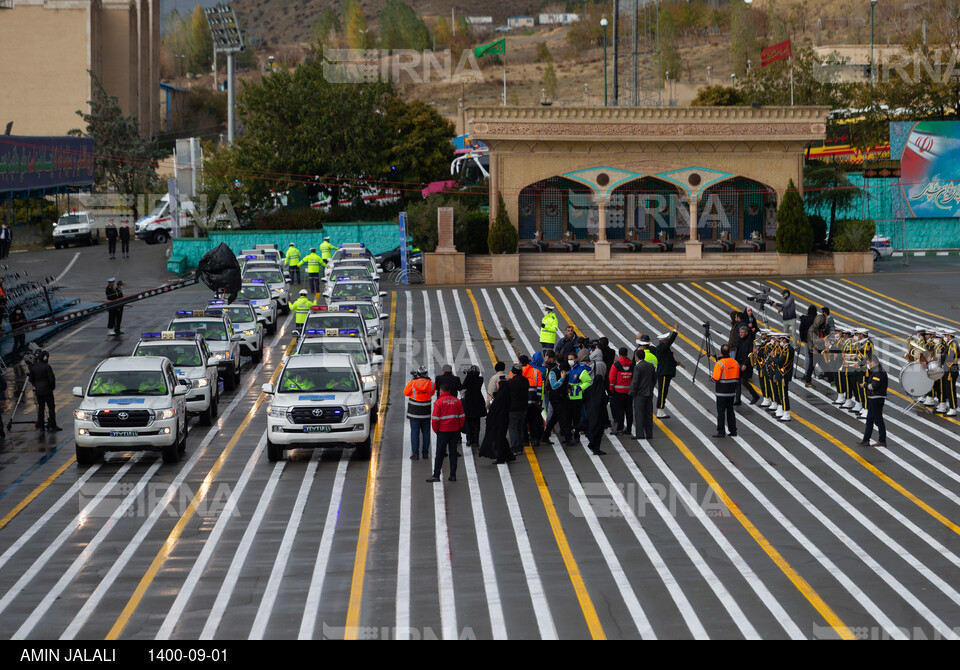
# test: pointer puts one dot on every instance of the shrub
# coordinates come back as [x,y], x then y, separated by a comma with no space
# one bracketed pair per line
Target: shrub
[852,235]
[794,234]
[503,237]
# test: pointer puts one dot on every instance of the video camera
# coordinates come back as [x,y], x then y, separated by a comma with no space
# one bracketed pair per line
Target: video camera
[762,298]
[33,354]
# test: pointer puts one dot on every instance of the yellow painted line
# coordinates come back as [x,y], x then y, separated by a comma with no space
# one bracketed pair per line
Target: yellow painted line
[573,570]
[798,581]
[913,307]
[37,491]
[366,516]
[808,592]
[177,531]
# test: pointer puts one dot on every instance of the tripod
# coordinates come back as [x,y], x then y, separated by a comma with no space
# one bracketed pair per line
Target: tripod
[706,349]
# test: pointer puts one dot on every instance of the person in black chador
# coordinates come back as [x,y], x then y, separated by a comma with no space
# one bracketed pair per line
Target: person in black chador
[474,407]
[494,444]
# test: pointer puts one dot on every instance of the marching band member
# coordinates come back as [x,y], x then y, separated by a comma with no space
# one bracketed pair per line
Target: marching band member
[950,361]
[783,362]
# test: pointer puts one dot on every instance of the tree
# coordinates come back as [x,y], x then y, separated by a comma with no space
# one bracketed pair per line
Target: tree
[442,34]
[743,43]
[503,237]
[325,26]
[401,28]
[420,150]
[670,60]
[794,234]
[813,83]
[201,42]
[355,26]
[549,82]
[717,96]
[124,160]
[825,186]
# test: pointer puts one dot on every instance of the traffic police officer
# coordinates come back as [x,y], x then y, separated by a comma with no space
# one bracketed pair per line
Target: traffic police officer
[313,262]
[326,250]
[549,328]
[301,308]
[292,260]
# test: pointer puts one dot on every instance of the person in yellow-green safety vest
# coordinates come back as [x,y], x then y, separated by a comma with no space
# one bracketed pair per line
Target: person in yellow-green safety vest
[292,261]
[326,250]
[549,328]
[301,308]
[313,262]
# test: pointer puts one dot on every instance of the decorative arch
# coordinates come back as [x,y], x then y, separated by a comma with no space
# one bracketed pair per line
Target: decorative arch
[737,208]
[647,209]
[555,209]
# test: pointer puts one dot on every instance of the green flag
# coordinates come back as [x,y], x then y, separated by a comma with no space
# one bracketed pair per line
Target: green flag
[498,47]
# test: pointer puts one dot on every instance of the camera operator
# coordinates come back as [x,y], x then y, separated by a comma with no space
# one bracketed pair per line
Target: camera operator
[44,382]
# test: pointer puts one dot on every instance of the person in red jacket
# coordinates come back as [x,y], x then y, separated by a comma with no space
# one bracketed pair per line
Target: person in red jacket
[620,401]
[447,419]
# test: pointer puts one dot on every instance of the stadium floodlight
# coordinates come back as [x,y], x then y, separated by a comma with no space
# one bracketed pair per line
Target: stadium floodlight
[227,39]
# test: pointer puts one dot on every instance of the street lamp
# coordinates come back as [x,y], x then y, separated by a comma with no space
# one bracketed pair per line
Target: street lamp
[603,24]
[873,3]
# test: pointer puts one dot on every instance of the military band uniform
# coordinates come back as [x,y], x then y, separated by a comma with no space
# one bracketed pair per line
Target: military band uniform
[876,392]
[783,361]
[948,383]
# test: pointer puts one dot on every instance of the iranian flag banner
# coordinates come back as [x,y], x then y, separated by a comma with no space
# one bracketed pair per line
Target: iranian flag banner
[779,51]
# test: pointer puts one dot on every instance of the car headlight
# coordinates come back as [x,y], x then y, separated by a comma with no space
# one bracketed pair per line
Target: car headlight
[166,413]
[279,290]
[358,410]
[264,307]
[249,332]
[83,415]
[368,378]
[218,356]
[373,330]
[277,412]
[201,383]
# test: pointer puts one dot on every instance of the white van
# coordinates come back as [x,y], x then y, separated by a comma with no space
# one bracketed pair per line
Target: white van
[155,227]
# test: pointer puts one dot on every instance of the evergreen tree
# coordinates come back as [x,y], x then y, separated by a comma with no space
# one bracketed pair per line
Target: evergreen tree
[743,41]
[326,25]
[201,42]
[355,25]
[550,82]
[503,237]
[670,60]
[794,234]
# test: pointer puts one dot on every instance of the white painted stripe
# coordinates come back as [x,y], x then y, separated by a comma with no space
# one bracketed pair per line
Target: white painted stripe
[448,603]
[897,254]
[312,607]
[239,558]
[878,499]
[272,589]
[496,322]
[403,547]
[70,573]
[184,593]
[69,265]
[487,568]
[873,303]
[919,253]
[541,608]
[119,566]
[630,599]
[77,523]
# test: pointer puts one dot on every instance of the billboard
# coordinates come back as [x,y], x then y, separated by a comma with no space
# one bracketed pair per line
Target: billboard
[36,163]
[929,155]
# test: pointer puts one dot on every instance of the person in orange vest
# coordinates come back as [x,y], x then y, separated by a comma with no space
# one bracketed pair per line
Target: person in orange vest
[726,374]
[419,392]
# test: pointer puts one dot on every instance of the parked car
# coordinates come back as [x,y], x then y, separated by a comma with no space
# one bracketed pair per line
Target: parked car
[881,247]
[78,228]
[390,260]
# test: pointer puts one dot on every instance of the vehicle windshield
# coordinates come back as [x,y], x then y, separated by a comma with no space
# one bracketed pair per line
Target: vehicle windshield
[241,314]
[368,311]
[333,380]
[334,320]
[352,272]
[354,290]
[256,292]
[354,348]
[128,383]
[212,331]
[160,209]
[68,220]
[269,276]
[352,264]
[181,355]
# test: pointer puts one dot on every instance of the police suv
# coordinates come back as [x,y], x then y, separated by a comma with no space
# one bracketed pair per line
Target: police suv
[318,402]
[257,294]
[245,324]
[274,279]
[357,290]
[192,362]
[352,260]
[219,334]
[346,341]
[131,404]
[338,316]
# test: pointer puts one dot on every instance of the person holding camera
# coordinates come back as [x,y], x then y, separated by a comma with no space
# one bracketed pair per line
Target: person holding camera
[44,382]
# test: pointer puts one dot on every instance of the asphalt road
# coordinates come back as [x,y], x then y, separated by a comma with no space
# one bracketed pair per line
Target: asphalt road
[787,531]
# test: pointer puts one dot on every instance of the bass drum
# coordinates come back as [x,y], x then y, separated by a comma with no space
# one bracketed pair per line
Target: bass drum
[934,370]
[915,380]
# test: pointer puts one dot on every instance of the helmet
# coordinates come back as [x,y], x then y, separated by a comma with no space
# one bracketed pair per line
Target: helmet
[422,371]
[303,291]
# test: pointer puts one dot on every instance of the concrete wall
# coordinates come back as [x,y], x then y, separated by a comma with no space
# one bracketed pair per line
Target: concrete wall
[120,56]
[377,236]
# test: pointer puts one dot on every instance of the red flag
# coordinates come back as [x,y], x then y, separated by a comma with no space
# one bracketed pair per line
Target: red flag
[771,54]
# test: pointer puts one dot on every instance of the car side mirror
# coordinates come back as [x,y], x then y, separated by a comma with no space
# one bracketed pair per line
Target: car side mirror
[212,361]
[236,337]
[267,388]
[78,391]
[377,360]
[383,294]
[384,317]
[369,387]
[180,389]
